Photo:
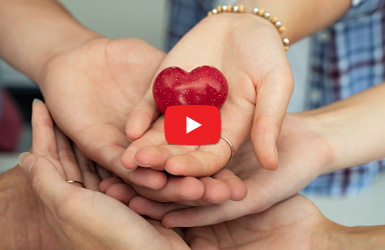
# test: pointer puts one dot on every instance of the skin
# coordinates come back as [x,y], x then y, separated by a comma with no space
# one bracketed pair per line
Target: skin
[75,214]
[245,76]
[24,224]
[63,215]
[299,165]
[310,144]
[260,84]
[97,93]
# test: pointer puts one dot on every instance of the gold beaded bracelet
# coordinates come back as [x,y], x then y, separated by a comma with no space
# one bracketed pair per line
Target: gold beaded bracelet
[256,11]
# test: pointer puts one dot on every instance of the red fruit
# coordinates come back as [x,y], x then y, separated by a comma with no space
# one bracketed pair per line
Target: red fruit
[204,85]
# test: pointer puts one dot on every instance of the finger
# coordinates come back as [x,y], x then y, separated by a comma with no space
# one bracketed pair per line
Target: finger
[195,216]
[147,178]
[196,192]
[104,145]
[109,155]
[102,172]
[272,100]
[67,159]
[153,209]
[154,136]
[121,191]
[141,117]
[208,160]
[106,183]
[215,213]
[48,183]
[176,189]
[202,243]
[237,187]
[216,191]
[155,157]
[89,174]
[42,131]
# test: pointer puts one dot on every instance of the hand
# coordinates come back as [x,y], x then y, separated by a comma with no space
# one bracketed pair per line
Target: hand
[82,218]
[295,223]
[96,96]
[90,91]
[23,224]
[302,154]
[249,52]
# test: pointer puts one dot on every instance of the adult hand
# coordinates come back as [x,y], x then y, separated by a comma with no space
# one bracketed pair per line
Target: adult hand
[82,218]
[249,52]
[295,223]
[303,152]
[91,89]
[23,224]
[97,93]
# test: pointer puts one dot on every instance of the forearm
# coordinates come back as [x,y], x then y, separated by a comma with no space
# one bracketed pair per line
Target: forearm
[32,31]
[354,127]
[301,17]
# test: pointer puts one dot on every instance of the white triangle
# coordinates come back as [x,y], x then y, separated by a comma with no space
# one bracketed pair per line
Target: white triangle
[191,125]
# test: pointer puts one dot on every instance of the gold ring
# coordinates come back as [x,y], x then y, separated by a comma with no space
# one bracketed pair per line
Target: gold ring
[78,182]
[231,146]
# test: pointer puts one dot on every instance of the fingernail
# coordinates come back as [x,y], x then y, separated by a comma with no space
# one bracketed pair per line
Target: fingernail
[26,161]
[142,165]
[129,169]
[126,169]
[37,100]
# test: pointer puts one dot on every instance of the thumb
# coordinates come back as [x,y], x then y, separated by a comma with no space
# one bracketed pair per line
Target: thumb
[46,181]
[141,117]
[272,100]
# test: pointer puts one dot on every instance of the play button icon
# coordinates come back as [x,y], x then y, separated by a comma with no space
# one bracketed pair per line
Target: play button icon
[181,126]
[191,125]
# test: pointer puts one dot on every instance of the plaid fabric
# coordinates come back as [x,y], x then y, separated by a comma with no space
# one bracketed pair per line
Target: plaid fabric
[184,15]
[346,58]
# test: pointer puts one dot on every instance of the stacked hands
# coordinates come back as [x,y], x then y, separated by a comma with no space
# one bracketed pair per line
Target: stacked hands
[81,217]
[113,82]
[100,128]
[174,186]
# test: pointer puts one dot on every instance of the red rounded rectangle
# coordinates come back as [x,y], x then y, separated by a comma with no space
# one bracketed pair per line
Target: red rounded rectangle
[192,125]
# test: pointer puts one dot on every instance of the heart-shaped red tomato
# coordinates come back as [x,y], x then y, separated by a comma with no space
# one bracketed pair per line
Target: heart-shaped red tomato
[204,85]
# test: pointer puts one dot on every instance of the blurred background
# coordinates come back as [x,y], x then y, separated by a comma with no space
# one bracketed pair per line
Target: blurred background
[148,20]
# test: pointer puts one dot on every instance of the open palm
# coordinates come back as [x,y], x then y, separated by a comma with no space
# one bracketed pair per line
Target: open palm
[260,86]
[90,91]
[301,153]
[83,218]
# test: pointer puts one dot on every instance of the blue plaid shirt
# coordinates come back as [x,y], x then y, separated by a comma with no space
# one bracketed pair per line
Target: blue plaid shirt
[346,58]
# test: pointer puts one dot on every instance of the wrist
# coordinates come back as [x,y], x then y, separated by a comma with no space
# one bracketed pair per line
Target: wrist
[259,12]
[321,146]
[69,39]
[301,18]
[240,27]
[33,31]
